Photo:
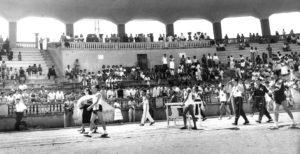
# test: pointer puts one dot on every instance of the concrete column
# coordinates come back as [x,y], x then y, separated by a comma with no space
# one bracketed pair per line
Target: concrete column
[217,27]
[13,34]
[70,30]
[265,27]
[36,40]
[170,29]
[121,31]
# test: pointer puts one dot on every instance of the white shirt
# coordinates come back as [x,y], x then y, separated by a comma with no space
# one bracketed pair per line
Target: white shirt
[215,58]
[189,100]
[94,99]
[237,91]
[164,60]
[222,96]
[51,96]
[59,95]
[20,107]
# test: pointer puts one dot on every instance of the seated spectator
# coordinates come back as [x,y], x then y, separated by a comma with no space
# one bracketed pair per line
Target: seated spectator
[241,46]
[40,70]
[68,72]
[220,46]
[286,47]
[34,69]
[19,57]
[10,55]
[51,73]
[22,76]
[298,40]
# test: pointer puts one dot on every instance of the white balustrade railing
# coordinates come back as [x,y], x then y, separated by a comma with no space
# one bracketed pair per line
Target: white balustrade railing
[26,45]
[139,45]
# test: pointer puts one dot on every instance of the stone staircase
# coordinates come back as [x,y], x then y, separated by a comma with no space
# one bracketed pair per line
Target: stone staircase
[235,52]
[30,56]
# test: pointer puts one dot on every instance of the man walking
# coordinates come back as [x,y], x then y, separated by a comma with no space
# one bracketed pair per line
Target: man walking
[188,104]
[146,115]
[96,108]
[259,95]
[237,94]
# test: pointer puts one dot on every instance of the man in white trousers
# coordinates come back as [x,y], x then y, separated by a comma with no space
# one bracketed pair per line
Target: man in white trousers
[146,115]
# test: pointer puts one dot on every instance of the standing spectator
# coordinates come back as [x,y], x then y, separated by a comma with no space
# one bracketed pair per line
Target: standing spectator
[41,41]
[51,97]
[68,116]
[59,96]
[76,66]
[29,70]
[131,112]
[40,70]
[165,63]
[269,49]
[19,57]
[118,117]
[20,108]
[3,69]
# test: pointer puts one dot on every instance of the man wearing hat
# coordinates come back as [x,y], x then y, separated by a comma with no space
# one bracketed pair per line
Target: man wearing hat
[259,96]
[237,94]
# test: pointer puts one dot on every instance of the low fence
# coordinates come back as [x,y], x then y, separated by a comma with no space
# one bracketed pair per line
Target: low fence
[39,109]
[26,45]
[139,45]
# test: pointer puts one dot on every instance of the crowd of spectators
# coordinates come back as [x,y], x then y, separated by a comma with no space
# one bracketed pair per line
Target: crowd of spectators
[131,38]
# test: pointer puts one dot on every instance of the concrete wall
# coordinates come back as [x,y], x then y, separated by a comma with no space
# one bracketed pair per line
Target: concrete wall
[57,121]
[56,55]
[89,59]
[46,121]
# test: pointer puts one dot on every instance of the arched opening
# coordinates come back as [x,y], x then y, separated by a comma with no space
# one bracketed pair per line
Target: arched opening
[136,27]
[3,28]
[193,25]
[95,26]
[286,21]
[241,25]
[46,27]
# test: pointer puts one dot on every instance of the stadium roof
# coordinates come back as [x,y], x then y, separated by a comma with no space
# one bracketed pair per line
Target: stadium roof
[122,11]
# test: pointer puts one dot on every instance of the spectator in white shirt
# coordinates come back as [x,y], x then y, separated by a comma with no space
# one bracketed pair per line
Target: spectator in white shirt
[59,96]
[51,97]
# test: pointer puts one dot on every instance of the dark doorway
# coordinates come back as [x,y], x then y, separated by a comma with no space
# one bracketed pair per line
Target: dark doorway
[142,61]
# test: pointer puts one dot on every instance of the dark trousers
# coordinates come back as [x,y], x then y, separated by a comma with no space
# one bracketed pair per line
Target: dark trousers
[41,46]
[239,111]
[201,111]
[189,109]
[19,116]
[262,107]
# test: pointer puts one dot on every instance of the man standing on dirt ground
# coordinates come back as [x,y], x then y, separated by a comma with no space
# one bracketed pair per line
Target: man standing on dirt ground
[259,95]
[237,94]
[96,108]
[280,99]
[189,105]
[20,108]
[146,115]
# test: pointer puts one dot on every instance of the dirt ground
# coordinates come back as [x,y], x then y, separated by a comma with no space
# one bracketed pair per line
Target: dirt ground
[215,136]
